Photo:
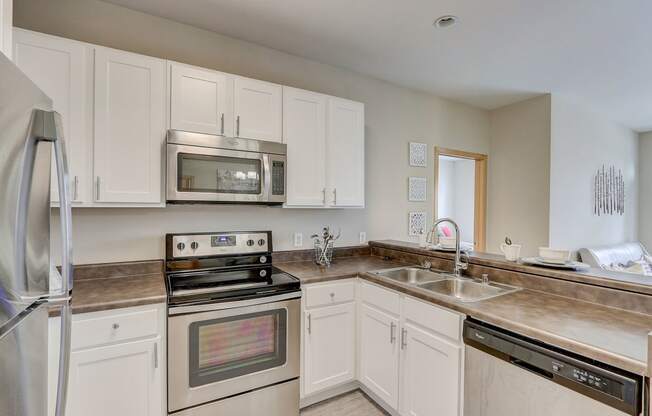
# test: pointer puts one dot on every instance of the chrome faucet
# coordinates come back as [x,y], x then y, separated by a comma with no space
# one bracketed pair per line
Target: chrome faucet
[459,265]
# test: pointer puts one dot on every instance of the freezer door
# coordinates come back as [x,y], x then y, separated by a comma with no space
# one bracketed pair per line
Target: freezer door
[23,363]
[24,245]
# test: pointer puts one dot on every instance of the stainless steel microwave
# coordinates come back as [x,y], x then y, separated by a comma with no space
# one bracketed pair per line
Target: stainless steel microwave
[202,168]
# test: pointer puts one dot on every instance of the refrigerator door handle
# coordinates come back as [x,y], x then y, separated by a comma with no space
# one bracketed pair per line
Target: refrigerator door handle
[46,126]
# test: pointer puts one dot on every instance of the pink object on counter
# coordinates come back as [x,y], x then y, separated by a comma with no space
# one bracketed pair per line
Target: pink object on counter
[447,231]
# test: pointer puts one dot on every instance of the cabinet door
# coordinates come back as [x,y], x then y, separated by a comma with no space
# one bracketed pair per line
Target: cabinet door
[129,127]
[304,132]
[430,379]
[345,152]
[258,107]
[200,100]
[60,68]
[6,23]
[379,353]
[122,379]
[329,347]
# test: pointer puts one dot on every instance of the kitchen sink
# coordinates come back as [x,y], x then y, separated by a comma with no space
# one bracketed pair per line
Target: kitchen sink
[443,283]
[412,275]
[466,290]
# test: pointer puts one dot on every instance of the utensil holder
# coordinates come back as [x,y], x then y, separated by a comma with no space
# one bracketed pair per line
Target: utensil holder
[323,254]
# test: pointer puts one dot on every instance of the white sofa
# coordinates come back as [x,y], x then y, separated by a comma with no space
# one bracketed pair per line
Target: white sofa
[606,257]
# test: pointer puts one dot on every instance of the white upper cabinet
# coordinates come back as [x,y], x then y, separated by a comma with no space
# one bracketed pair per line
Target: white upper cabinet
[304,132]
[130,98]
[201,100]
[258,109]
[345,153]
[6,26]
[60,67]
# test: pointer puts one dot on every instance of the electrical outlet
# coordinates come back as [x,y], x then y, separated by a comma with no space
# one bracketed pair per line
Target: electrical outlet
[363,237]
[298,240]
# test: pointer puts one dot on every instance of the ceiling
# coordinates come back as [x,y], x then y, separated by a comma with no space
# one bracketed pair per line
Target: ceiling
[502,51]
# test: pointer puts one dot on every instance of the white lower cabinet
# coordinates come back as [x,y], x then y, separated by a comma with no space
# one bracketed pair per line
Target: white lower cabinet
[122,379]
[329,339]
[431,369]
[117,363]
[379,343]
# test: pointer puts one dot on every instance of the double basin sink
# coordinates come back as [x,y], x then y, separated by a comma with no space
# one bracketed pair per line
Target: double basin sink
[461,289]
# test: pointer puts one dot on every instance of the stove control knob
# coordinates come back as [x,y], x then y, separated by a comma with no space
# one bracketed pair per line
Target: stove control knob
[263,259]
[250,243]
[181,246]
[261,242]
[263,273]
[194,245]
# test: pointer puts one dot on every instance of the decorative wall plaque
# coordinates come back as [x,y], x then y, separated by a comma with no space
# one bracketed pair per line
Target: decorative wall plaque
[418,154]
[417,189]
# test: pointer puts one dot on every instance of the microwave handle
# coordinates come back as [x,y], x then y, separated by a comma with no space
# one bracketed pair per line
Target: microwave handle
[267,176]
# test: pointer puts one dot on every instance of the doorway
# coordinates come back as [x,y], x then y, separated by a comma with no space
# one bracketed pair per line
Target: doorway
[461,192]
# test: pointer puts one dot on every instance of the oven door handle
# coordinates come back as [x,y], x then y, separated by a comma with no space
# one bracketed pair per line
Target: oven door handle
[178,310]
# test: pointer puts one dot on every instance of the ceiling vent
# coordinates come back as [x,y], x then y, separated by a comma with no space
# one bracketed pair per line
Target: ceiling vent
[446,21]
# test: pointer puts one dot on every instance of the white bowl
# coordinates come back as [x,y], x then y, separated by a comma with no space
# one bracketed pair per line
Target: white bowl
[554,255]
[447,242]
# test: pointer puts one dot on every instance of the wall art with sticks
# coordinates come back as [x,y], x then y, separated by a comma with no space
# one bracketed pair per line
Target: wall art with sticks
[608,191]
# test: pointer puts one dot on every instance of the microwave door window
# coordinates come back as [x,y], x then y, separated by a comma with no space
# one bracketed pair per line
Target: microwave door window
[219,174]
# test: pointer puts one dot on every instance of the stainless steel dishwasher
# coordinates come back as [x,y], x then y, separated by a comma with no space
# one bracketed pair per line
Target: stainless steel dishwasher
[510,375]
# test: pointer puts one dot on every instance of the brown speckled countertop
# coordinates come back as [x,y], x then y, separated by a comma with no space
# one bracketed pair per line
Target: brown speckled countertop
[342,268]
[613,336]
[117,285]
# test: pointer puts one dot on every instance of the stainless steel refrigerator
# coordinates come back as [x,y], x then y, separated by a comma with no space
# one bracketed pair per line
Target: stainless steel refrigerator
[30,134]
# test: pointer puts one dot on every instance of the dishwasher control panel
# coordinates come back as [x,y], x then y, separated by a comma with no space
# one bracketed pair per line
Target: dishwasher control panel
[591,379]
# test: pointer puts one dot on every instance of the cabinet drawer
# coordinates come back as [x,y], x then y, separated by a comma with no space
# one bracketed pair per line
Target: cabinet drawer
[433,318]
[88,331]
[381,298]
[330,294]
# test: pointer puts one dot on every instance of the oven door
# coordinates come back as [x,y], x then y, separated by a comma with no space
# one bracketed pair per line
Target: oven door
[215,353]
[200,174]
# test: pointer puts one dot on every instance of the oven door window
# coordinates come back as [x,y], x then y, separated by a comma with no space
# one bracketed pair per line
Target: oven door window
[221,349]
[218,174]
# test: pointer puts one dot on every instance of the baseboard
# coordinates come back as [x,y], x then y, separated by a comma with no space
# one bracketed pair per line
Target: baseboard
[328,393]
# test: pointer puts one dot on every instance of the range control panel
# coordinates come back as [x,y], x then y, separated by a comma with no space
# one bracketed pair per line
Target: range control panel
[218,244]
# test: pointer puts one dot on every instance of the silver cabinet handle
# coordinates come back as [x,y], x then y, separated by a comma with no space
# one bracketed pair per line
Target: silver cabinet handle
[237,126]
[310,323]
[403,338]
[392,333]
[334,196]
[98,182]
[222,122]
[323,193]
[156,355]
[75,196]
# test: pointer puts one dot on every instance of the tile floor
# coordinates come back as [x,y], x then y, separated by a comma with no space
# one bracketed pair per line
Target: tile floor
[355,403]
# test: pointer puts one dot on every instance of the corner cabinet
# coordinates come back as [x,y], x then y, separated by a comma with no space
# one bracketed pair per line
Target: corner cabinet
[325,144]
[117,363]
[129,134]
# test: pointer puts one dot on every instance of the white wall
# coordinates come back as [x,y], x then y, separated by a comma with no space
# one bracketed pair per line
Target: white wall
[581,142]
[456,197]
[394,117]
[645,189]
[519,175]
[465,197]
